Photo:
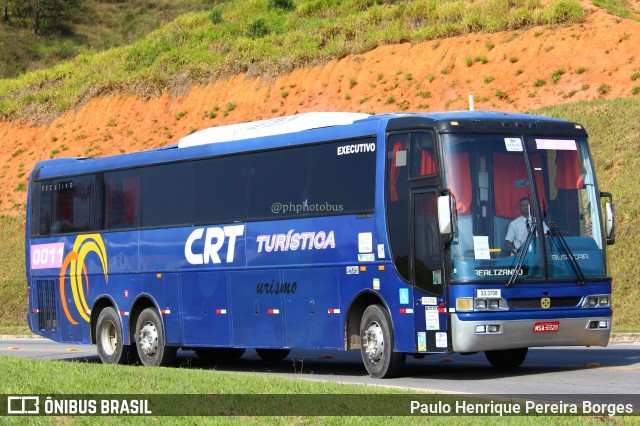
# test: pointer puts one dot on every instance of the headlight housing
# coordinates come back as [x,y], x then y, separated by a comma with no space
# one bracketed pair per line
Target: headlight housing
[597,301]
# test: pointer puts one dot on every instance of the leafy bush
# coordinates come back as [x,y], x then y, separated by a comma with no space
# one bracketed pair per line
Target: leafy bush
[257,29]
[280,4]
[215,16]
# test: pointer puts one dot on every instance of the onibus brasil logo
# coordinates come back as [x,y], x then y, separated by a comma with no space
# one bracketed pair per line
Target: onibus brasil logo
[78,276]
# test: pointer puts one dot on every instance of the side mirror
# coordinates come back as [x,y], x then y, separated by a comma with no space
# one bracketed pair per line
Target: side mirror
[609,218]
[446,208]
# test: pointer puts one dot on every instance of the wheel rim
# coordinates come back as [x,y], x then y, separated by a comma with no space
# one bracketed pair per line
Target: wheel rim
[373,342]
[108,338]
[149,339]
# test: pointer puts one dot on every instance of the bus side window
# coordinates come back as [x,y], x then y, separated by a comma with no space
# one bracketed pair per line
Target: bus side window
[122,200]
[398,201]
[41,224]
[423,155]
[71,207]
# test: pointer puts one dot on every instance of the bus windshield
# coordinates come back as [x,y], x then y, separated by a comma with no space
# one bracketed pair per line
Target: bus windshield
[527,209]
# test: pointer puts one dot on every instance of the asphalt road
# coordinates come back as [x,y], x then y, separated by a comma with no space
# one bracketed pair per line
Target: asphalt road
[613,372]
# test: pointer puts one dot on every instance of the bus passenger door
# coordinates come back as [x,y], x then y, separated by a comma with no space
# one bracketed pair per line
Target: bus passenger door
[426,264]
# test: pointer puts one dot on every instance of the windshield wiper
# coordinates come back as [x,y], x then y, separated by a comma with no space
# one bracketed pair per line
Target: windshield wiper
[522,255]
[564,246]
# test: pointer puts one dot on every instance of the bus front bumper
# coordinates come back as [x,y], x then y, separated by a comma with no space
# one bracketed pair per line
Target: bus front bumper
[477,336]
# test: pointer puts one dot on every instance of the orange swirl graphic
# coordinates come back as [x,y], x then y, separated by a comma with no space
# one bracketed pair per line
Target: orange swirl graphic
[83,246]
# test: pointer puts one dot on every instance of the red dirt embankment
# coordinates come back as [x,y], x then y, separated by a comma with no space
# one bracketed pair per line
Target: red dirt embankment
[513,71]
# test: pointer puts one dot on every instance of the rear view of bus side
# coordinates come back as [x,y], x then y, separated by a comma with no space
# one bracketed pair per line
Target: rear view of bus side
[383,234]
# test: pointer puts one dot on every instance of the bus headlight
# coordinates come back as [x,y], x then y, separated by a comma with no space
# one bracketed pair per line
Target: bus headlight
[597,301]
[480,305]
[489,304]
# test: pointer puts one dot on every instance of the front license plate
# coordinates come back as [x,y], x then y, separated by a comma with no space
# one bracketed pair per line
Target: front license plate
[546,327]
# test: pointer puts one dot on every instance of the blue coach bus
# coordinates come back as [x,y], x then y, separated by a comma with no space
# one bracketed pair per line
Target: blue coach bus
[387,234]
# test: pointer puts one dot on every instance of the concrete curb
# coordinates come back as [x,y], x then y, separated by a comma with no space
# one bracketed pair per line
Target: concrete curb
[625,338]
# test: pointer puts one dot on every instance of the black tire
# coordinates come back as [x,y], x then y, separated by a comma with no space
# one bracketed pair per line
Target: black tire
[507,359]
[219,354]
[271,355]
[110,338]
[150,343]
[377,349]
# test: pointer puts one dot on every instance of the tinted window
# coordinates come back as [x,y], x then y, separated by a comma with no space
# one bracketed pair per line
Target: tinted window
[327,179]
[335,178]
[41,220]
[220,189]
[65,205]
[167,195]
[122,199]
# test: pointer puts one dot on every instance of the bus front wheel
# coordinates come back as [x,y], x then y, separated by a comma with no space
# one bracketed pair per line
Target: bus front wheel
[110,338]
[150,342]
[507,359]
[377,348]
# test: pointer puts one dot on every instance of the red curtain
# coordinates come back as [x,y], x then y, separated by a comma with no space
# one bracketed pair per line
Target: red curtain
[459,178]
[568,173]
[507,170]
[395,171]
[427,163]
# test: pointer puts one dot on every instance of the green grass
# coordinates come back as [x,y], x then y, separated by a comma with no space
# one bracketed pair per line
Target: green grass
[619,8]
[13,289]
[200,47]
[94,26]
[34,377]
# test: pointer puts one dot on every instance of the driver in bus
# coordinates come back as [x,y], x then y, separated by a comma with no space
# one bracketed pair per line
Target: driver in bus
[519,228]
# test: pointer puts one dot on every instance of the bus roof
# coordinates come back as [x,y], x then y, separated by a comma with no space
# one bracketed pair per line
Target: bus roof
[274,126]
[303,129]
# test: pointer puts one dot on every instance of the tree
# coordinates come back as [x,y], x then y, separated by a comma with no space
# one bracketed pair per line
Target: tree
[44,12]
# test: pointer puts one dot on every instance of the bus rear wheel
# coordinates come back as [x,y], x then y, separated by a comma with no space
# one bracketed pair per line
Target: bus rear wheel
[377,350]
[110,338]
[273,354]
[150,341]
[506,359]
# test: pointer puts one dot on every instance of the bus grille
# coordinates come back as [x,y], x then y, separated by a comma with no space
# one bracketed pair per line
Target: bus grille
[47,312]
[536,303]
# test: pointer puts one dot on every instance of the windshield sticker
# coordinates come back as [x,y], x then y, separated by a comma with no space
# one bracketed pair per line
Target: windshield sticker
[404,296]
[441,340]
[481,247]
[365,242]
[432,317]
[366,257]
[422,341]
[558,144]
[513,144]
[437,277]
[401,158]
